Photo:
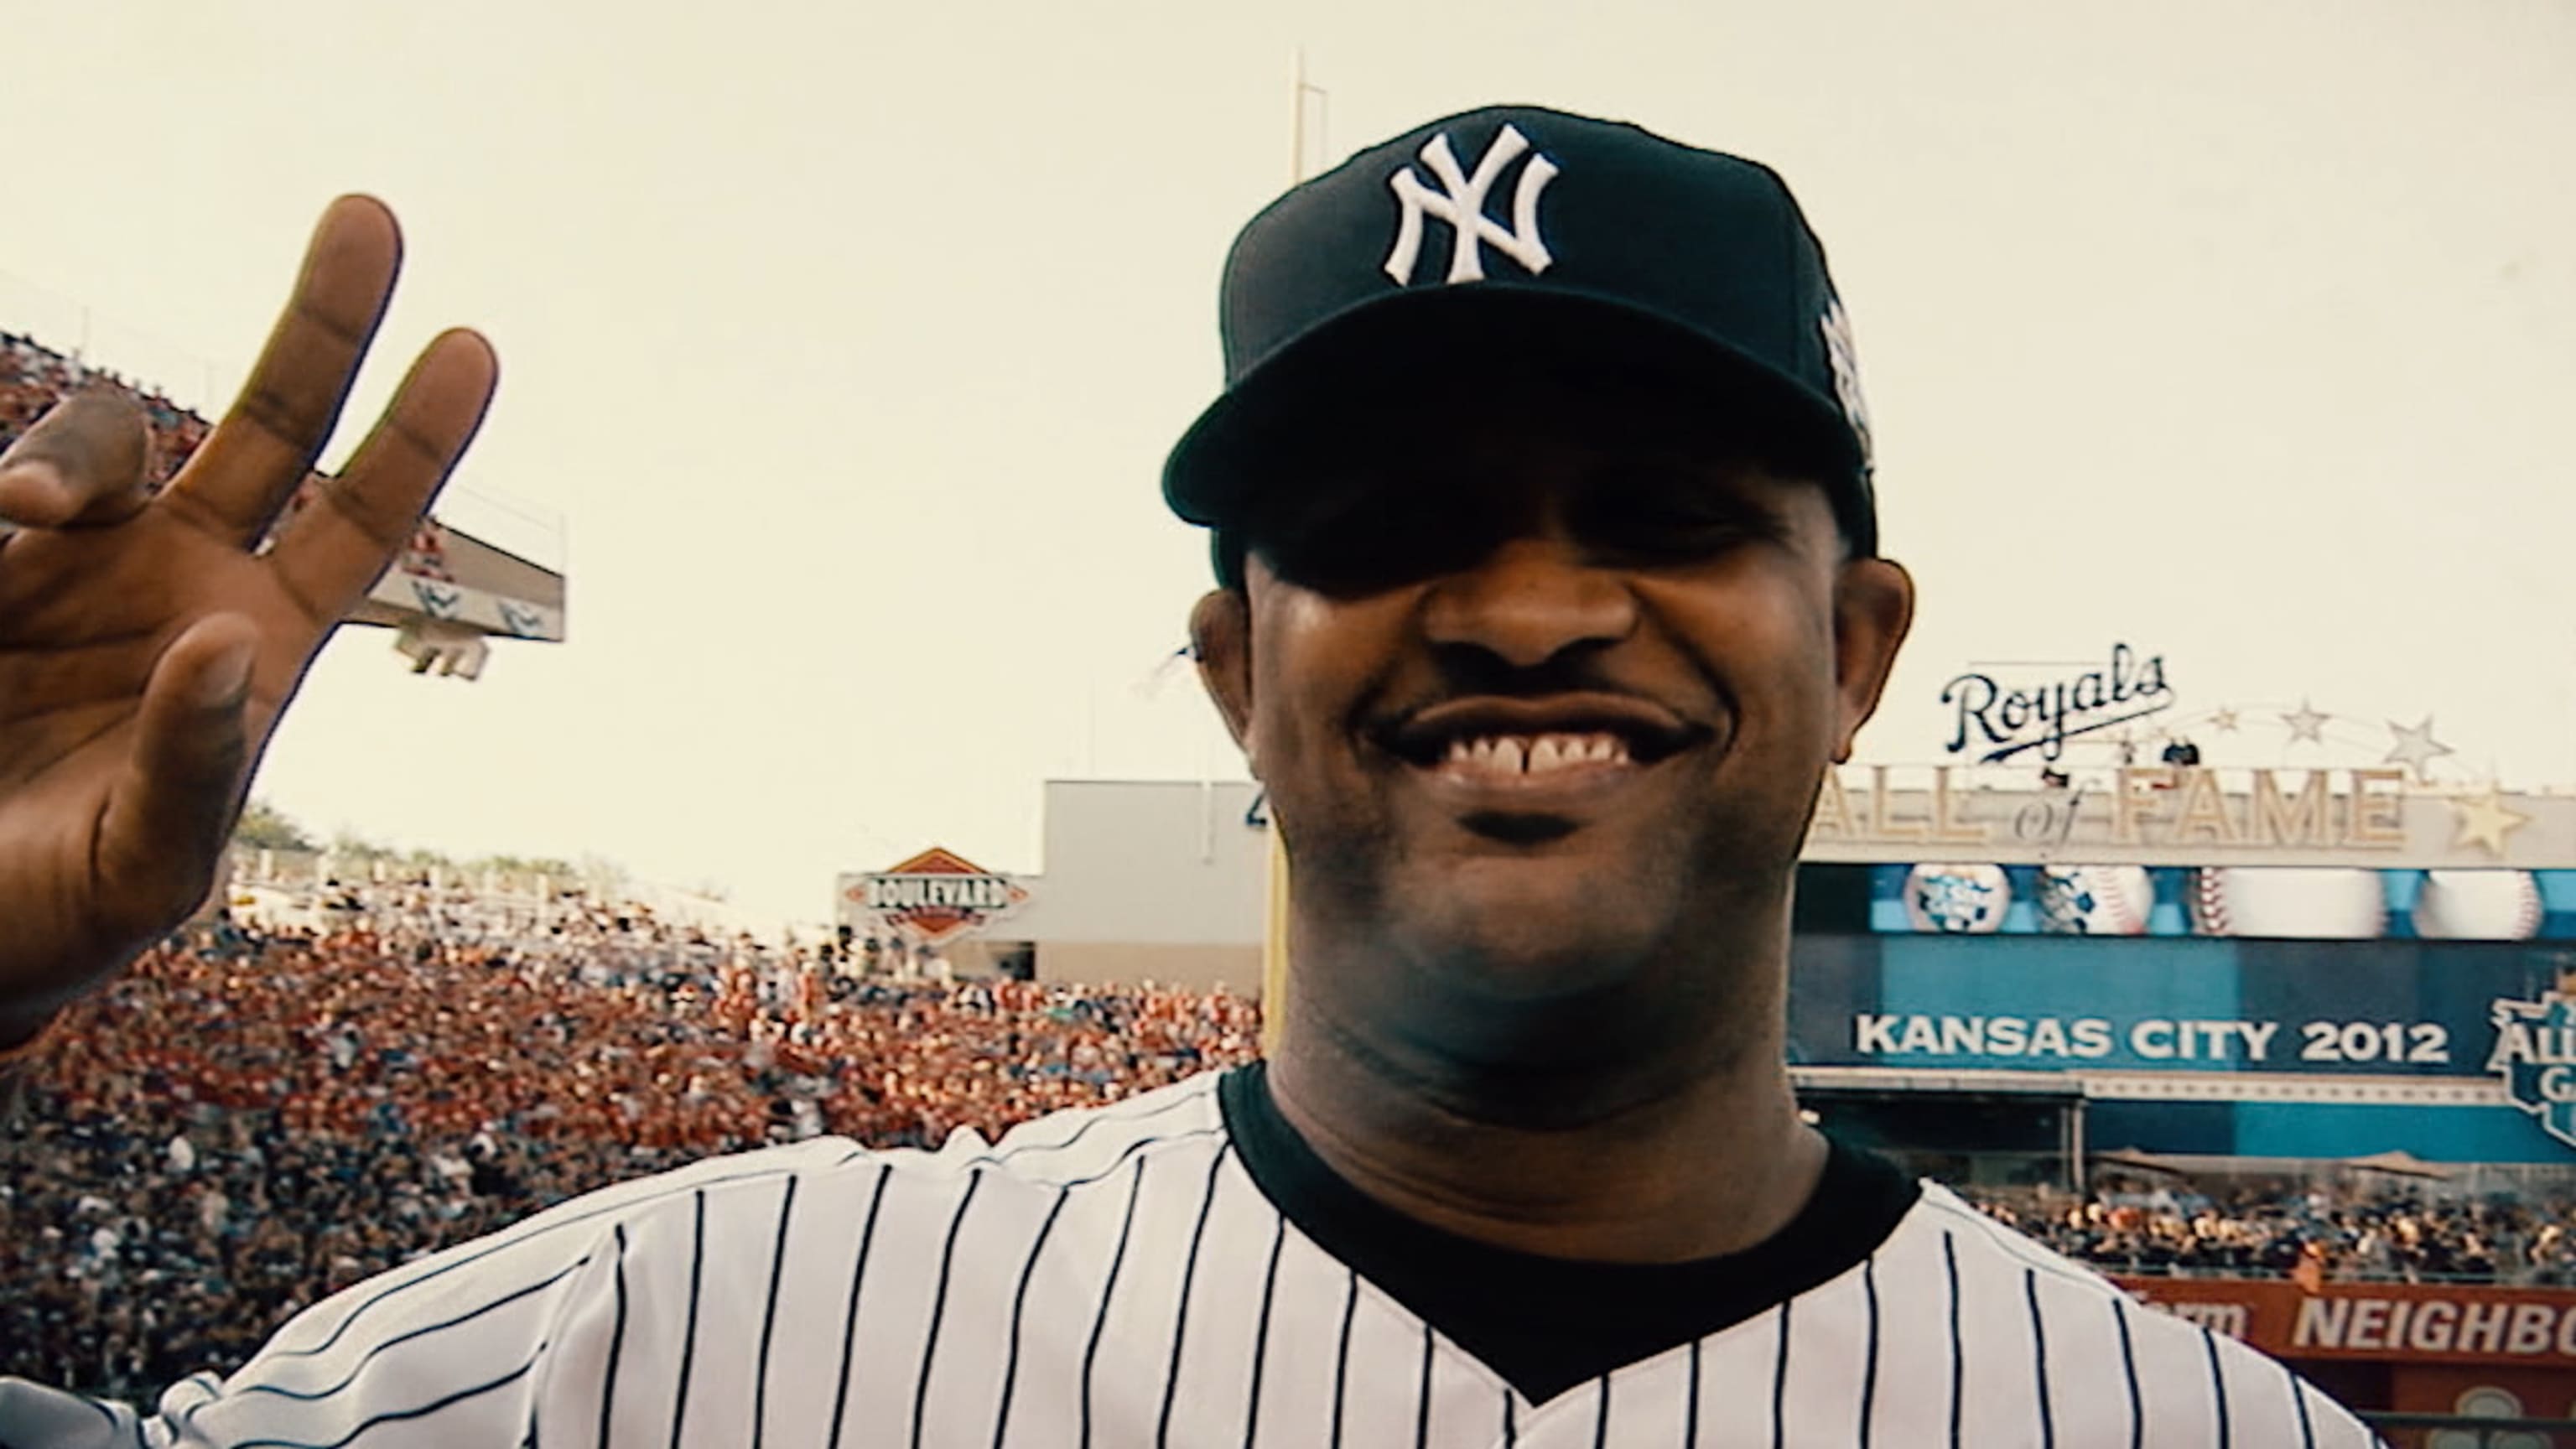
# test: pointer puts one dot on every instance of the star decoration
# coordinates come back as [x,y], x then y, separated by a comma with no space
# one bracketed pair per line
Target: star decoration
[2307,724]
[2224,721]
[2415,748]
[2486,819]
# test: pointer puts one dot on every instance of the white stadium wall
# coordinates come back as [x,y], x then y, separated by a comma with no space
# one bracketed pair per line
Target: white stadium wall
[1148,880]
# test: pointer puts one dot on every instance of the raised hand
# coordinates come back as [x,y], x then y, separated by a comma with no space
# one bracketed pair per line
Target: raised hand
[147,649]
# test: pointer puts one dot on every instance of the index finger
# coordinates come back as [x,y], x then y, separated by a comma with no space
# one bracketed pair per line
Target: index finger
[252,462]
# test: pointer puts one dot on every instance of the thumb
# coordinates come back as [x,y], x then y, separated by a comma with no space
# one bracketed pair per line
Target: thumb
[174,802]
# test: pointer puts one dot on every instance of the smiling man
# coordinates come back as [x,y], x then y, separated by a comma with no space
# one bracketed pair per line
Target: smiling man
[1549,588]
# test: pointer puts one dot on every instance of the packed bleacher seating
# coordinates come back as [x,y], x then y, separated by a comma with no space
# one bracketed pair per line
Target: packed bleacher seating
[2312,1231]
[33,378]
[256,1116]
[250,1120]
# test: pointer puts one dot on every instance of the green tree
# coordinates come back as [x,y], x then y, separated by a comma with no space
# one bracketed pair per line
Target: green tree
[522,865]
[265,827]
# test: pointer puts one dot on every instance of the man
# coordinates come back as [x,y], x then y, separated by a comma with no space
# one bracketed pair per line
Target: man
[1549,590]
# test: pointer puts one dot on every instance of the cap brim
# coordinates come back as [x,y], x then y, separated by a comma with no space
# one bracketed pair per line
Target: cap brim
[1204,484]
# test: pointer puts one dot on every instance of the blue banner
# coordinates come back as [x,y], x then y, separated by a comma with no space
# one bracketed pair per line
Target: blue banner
[2160,1004]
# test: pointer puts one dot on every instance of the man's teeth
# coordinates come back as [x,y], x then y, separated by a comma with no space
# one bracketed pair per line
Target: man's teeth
[1532,754]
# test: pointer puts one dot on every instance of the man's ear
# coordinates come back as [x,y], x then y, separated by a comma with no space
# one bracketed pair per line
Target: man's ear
[1221,640]
[1873,607]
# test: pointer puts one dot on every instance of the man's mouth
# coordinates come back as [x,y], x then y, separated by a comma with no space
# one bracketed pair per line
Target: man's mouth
[1496,759]
[1565,746]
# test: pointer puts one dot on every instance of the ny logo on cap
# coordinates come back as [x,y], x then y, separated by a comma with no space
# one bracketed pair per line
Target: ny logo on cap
[1845,360]
[1460,201]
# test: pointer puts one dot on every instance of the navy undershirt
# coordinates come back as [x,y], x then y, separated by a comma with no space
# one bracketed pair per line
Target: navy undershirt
[1547,1324]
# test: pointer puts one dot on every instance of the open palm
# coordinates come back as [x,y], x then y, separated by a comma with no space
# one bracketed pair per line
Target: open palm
[147,647]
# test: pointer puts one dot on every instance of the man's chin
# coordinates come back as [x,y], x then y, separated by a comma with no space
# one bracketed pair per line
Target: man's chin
[1540,1005]
[1528,930]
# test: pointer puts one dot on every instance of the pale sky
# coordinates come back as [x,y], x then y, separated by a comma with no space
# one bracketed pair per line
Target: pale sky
[847,339]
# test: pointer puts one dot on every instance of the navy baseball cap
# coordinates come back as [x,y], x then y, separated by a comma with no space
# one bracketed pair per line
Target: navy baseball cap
[1596,224]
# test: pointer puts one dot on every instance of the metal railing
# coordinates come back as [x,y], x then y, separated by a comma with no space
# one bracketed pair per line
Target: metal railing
[2451,1431]
[2523,1278]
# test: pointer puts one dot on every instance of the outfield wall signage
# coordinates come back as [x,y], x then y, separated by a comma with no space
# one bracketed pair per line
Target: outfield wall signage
[2386,1322]
[2191,1004]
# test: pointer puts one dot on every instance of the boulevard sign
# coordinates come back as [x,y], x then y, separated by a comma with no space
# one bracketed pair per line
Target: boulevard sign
[934,897]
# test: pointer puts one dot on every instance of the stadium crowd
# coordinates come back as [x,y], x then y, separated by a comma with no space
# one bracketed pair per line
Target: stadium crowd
[2311,1232]
[253,1118]
[34,377]
[250,1120]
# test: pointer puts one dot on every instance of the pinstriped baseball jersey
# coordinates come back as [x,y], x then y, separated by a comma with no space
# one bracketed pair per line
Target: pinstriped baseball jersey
[1156,1274]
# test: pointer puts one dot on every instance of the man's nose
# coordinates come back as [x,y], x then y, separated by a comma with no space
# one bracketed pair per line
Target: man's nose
[1530,601]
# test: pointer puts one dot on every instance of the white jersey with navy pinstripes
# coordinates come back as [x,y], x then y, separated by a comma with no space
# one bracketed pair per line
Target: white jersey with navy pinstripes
[1116,1279]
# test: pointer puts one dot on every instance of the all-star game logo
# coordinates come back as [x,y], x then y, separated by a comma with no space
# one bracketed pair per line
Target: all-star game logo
[2535,1053]
[933,897]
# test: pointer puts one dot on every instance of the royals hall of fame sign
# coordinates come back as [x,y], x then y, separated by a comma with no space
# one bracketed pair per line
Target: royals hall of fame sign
[2002,713]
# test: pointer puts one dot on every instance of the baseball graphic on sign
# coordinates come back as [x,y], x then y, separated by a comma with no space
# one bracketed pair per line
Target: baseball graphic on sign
[1957,899]
[2478,905]
[2331,903]
[2095,900]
